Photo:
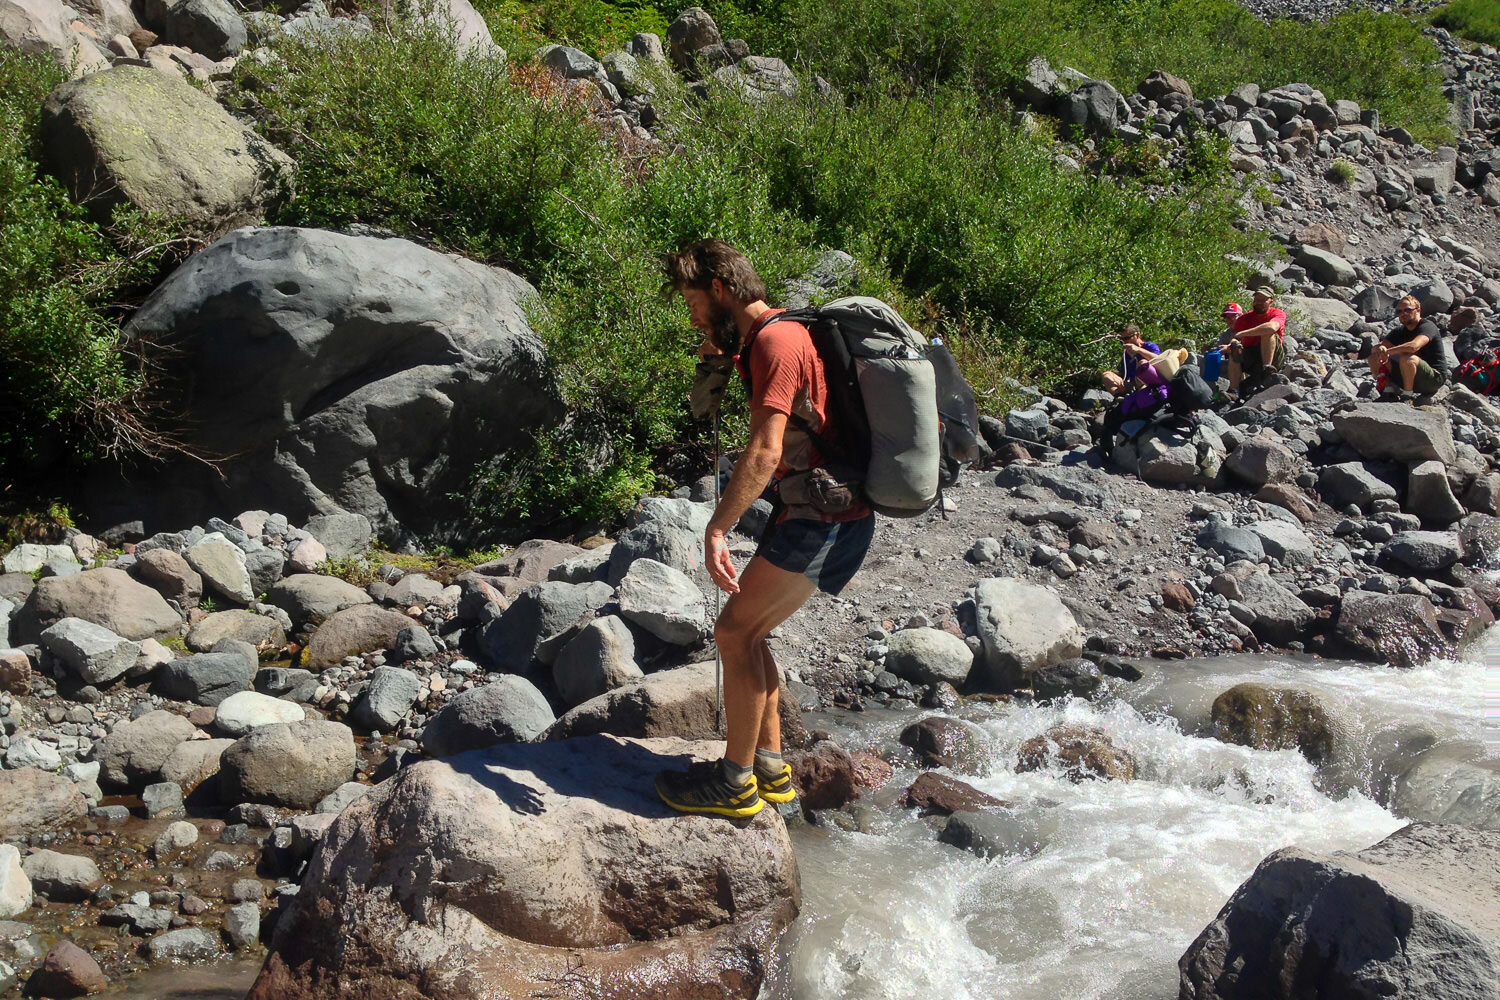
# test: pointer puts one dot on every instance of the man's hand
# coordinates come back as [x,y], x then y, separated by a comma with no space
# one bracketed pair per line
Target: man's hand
[720,565]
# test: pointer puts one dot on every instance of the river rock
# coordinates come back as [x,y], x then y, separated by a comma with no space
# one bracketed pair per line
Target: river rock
[105,596]
[67,971]
[940,741]
[934,794]
[208,26]
[704,914]
[92,652]
[246,710]
[221,563]
[1429,495]
[310,599]
[192,762]
[380,367]
[599,659]
[1082,752]
[15,887]
[1286,542]
[929,655]
[1383,432]
[390,696]
[1077,678]
[1455,782]
[1399,629]
[663,601]
[1353,483]
[1280,615]
[189,944]
[1269,718]
[541,612]
[133,752]
[507,709]
[1424,553]
[1479,535]
[206,678]
[170,574]
[824,776]
[1023,627]
[1262,459]
[132,134]
[1412,916]
[257,630]
[290,764]
[37,801]
[62,878]
[360,629]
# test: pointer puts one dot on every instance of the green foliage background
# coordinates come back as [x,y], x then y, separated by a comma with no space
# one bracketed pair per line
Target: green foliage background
[1478,20]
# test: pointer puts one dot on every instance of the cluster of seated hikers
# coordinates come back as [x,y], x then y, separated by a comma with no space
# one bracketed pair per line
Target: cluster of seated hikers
[1412,359]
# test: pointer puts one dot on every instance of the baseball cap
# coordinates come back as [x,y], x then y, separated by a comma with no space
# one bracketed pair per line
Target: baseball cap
[1233,309]
[1265,290]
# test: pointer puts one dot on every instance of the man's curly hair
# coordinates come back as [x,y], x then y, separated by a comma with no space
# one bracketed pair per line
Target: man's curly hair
[698,264]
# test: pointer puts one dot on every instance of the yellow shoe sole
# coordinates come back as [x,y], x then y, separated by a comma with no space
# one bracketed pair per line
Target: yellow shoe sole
[777,797]
[732,812]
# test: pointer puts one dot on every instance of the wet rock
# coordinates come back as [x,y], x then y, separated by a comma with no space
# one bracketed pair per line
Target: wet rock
[940,741]
[523,810]
[663,601]
[178,836]
[928,656]
[599,659]
[190,944]
[1270,718]
[391,694]
[1023,627]
[870,771]
[1400,629]
[1385,432]
[242,926]
[67,971]
[360,629]
[1451,783]
[1479,536]
[1077,678]
[134,752]
[292,764]
[1081,751]
[1409,917]
[508,709]
[990,833]
[62,878]
[824,776]
[163,800]
[934,794]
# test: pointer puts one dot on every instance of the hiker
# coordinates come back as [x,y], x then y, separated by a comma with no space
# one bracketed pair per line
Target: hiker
[1413,350]
[1231,315]
[1133,351]
[1148,396]
[1258,347]
[802,549]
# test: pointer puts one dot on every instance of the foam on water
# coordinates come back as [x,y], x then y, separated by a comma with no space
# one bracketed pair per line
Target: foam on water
[1109,881]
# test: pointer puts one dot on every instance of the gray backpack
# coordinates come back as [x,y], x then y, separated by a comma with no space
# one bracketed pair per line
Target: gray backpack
[883,402]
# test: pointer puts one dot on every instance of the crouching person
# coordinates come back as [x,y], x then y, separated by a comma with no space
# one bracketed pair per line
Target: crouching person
[1411,357]
[1134,352]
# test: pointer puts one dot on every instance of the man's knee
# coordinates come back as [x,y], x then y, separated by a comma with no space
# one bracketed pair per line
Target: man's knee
[731,632]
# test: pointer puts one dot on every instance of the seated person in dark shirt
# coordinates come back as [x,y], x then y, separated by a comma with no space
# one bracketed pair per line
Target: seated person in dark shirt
[1412,354]
[1134,351]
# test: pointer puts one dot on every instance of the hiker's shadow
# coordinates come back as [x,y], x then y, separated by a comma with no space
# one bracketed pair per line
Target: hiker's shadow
[619,775]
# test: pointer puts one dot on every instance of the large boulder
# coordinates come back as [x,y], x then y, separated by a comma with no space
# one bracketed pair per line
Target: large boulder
[93,653]
[291,764]
[1024,628]
[132,755]
[344,374]
[133,134]
[309,599]
[207,678]
[37,801]
[359,629]
[1285,541]
[1262,459]
[1425,553]
[471,35]
[106,596]
[1304,314]
[170,574]
[45,27]
[929,655]
[508,709]
[1457,782]
[536,859]
[210,27]
[539,621]
[689,33]
[1270,718]
[1279,615]
[664,602]
[1413,916]
[1386,432]
[258,630]
[1080,752]
[1399,629]
[249,710]
[1429,495]
[1353,483]
[600,658]
[758,79]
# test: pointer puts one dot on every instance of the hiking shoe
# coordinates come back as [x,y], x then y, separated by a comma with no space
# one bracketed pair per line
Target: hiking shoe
[777,788]
[702,788]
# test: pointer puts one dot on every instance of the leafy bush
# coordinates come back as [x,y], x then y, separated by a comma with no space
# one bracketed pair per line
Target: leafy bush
[1343,171]
[68,390]
[1478,20]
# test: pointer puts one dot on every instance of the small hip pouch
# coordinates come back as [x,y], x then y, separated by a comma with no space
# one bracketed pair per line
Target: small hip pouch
[826,491]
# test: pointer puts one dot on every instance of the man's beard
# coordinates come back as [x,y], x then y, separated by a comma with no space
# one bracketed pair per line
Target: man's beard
[725,335]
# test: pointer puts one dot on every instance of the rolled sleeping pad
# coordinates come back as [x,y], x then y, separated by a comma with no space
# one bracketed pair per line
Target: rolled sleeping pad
[900,396]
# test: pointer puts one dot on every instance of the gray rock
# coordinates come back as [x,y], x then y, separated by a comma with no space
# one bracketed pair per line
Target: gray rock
[264,567]
[929,655]
[309,598]
[107,597]
[163,799]
[24,751]
[1077,484]
[192,762]
[431,348]
[1280,616]
[341,535]
[414,588]
[663,601]
[1380,431]
[669,542]
[1231,543]
[1305,315]
[91,652]
[242,926]
[390,696]
[1408,917]
[294,764]
[413,643]
[16,894]
[1263,459]
[208,26]
[1400,629]
[508,709]
[1023,627]
[1429,495]
[600,658]
[244,711]
[1424,552]
[339,799]
[1285,542]
[1326,268]
[1353,483]
[540,612]
[142,919]
[133,753]
[44,27]
[205,678]
[190,944]
[570,63]
[1096,107]
[648,46]
[992,833]
[178,836]
[353,631]
[1077,678]
[243,626]
[690,32]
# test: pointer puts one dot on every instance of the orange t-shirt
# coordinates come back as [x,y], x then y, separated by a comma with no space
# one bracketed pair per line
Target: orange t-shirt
[786,375]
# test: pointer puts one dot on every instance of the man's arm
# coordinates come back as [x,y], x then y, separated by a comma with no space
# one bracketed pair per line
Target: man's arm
[1259,330]
[751,473]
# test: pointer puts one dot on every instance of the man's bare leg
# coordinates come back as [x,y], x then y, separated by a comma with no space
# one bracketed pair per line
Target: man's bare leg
[770,717]
[1268,344]
[768,596]
[1406,365]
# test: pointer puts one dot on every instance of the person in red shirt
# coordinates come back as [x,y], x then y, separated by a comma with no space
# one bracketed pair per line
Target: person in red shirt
[1258,346]
[805,547]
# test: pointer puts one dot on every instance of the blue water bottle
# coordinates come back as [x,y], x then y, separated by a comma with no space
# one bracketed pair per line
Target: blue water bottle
[1211,361]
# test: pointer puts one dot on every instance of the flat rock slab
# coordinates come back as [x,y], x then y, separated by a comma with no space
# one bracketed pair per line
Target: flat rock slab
[1396,433]
[1412,917]
[537,858]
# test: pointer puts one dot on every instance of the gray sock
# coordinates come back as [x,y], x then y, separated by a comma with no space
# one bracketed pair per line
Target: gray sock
[733,773]
[768,761]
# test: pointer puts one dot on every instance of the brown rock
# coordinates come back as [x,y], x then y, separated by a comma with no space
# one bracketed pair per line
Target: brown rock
[361,629]
[1464,316]
[1399,629]
[142,39]
[1010,451]
[15,672]
[531,561]
[1267,718]
[1324,237]
[171,575]
[67,971]
[1093,533]
[869,770]
[940,741]
[1177,597]
[1083,751]
[938,794]
[36,800]
[824,776]
[105,596]
[1288,497]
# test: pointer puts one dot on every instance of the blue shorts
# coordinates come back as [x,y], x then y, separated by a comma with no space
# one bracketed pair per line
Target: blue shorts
[827,553]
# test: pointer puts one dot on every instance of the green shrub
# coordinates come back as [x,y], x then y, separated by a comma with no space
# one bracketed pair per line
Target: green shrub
[1343,171]
[1478,20]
